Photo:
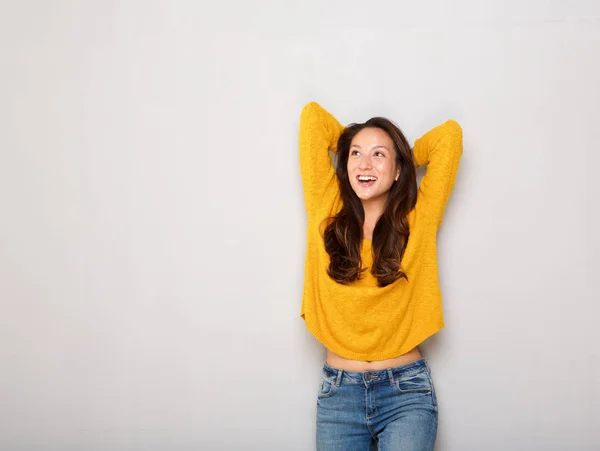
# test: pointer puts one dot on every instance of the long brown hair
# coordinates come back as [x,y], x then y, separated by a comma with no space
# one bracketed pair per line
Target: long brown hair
[343,235]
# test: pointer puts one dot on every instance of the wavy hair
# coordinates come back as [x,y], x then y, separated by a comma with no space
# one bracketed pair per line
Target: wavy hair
[343,235]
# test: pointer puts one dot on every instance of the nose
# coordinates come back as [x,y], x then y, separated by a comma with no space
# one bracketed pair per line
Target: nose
[365,162]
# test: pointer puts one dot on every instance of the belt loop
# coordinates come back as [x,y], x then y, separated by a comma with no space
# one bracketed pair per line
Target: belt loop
[338,380]
[391,376]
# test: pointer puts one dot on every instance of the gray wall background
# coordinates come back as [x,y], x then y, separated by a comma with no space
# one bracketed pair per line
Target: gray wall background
[152,224]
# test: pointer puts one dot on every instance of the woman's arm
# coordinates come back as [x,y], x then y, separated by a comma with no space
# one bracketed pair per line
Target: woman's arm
[440,149]
[319,132]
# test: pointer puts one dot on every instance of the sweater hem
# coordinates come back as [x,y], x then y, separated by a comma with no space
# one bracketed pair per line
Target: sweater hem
[373,356]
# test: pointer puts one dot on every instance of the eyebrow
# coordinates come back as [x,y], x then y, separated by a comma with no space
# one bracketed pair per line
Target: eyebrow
[376,147]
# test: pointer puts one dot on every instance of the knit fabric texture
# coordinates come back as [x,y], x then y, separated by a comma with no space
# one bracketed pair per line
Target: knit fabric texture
[362,321]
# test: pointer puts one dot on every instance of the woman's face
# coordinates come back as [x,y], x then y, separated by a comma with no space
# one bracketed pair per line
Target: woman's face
[372,164]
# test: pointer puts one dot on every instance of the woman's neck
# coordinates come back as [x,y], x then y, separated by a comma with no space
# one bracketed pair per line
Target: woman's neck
[373,210]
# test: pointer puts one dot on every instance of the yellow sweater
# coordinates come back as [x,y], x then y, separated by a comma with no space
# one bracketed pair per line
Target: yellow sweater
[362,321]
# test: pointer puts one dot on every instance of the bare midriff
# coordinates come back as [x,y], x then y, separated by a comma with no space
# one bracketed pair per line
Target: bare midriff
[335,361]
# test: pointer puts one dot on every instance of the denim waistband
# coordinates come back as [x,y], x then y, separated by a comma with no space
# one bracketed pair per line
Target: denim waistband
[340,376]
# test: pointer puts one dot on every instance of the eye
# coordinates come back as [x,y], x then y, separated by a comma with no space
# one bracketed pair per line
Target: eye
[354,152]
[379,154]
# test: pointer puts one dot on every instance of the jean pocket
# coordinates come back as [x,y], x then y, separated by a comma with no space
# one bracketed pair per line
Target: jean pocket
[326,388]
[415,383]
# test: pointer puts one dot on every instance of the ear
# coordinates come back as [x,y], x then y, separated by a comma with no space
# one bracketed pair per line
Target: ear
[397,175]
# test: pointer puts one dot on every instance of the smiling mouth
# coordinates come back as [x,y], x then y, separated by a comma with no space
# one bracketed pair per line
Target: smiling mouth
[366,180]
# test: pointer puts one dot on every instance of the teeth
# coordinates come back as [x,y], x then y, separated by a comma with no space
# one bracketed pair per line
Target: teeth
[366,178]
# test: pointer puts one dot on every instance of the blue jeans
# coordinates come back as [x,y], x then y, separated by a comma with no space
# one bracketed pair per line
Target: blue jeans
[395,408]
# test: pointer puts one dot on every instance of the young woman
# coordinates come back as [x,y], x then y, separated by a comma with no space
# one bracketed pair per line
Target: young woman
[371,291]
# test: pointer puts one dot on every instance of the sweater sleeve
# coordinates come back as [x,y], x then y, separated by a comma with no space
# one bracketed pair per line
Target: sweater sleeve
[319,133]
[440,149]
